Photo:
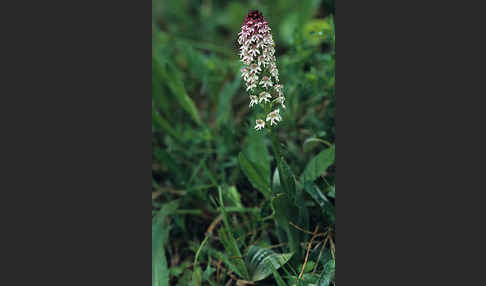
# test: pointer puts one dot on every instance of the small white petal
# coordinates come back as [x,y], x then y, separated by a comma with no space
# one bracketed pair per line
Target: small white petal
[259,124]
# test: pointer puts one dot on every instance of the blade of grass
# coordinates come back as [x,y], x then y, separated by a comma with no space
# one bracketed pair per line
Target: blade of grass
[229,241]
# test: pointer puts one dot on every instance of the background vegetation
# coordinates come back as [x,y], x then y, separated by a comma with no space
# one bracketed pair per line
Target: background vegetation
[221,214]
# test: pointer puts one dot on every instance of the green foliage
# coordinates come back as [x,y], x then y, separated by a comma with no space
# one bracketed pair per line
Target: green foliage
[171,76]
[230,246]
[218,188]
[255,172]
[197,276]
[278,278]
[328,273]
[324,203]
[261,261]
[287,206]
[318,165]
[317,31]
[232,250]
[160,232]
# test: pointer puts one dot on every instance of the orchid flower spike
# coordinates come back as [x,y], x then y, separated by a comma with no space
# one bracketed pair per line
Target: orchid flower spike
[260,73]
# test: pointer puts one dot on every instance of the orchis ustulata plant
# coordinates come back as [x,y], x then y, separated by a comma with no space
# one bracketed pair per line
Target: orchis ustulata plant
[257,52]
[261,75]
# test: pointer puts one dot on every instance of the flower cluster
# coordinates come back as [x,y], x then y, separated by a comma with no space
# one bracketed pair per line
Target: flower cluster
[257,52]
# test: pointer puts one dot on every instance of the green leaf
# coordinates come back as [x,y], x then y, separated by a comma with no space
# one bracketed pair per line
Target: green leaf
[160,232]
[281,205]
[288,208]
[326,206]
[276,182]
[160,273]
[287,180]
[255,174]
[285,212]
[261,260]
[257,151]
[318,165]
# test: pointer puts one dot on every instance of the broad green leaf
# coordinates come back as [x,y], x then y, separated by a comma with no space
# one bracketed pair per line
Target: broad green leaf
[281,205]
[160,232]
[289,207]
[255,174]
[318,165]
[160,273]
[257,151]
[303,218]
[261,260]
[286,212]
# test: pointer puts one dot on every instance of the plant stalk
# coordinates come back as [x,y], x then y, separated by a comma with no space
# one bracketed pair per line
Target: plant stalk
[276,151]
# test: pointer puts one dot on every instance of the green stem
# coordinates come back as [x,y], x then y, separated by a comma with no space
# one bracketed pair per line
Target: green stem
[276,151]
[199,249]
